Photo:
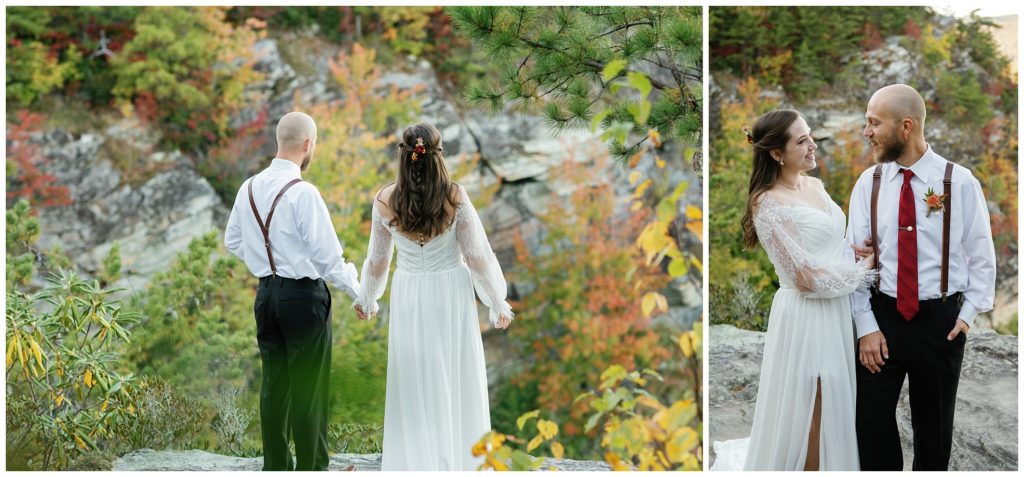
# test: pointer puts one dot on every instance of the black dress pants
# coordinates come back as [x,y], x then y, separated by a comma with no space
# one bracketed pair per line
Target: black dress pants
[293,330]
[919,350]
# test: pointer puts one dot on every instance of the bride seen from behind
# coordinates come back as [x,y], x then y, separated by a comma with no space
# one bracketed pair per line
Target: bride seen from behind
[804,416]
[436,404]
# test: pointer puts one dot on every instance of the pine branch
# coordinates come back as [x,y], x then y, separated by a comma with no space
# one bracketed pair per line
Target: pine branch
[627,26]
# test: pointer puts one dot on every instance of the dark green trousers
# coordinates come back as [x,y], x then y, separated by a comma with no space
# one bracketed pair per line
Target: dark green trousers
[293,330]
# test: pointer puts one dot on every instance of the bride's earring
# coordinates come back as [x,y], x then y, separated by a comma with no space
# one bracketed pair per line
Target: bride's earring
[782,162]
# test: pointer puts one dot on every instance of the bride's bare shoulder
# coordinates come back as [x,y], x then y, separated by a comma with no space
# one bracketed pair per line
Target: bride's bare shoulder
[383,195]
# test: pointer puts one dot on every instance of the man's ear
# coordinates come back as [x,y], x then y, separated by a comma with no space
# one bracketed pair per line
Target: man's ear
[907,127]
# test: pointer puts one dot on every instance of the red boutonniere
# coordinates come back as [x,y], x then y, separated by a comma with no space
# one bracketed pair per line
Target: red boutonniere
[933,201]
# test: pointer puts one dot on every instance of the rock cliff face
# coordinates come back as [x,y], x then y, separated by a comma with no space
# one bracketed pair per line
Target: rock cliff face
[194,460]
[155,218]
[985,426]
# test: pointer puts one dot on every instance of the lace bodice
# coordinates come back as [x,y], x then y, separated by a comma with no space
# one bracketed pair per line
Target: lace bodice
[806,244]
[464,242]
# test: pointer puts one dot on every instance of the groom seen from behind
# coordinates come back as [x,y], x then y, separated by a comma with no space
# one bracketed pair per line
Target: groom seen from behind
[928,223]
[280,227]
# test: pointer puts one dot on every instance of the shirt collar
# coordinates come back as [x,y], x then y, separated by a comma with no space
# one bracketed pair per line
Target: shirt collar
[284,165]
[922,168]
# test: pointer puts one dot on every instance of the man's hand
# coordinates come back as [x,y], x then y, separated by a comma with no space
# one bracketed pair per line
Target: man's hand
[872,351]
[863,252]
[961,327]
[360,313]
[503,322]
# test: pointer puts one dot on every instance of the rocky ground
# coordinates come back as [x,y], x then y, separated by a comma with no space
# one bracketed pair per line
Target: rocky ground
[985,437]
[195,460]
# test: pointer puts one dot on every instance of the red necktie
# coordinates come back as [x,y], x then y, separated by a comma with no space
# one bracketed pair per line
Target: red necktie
[906,270]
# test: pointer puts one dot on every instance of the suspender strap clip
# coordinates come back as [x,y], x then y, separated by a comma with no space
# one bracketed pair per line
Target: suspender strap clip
[265,227]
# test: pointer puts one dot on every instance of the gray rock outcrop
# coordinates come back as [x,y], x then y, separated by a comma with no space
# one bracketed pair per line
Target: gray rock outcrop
[196,460]
[985,427]
[152,220]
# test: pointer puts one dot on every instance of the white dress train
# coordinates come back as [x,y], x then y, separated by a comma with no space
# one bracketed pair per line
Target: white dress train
[436,404]
[810,336]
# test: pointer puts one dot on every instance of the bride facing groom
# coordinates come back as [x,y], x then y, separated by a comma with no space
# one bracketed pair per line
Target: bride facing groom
[436,404]
[865,305]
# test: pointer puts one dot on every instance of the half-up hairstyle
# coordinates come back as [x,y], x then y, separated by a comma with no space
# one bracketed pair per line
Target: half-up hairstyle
[423,188]
[770,132]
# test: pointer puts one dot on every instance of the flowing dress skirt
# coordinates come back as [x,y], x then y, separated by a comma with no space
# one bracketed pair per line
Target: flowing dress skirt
[436,404]
[807,338]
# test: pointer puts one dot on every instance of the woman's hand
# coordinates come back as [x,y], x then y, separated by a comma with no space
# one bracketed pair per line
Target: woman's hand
[503,322]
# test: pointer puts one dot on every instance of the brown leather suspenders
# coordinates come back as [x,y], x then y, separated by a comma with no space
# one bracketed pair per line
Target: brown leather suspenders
[876,181]
[265,228]
[947,191]
[947,186]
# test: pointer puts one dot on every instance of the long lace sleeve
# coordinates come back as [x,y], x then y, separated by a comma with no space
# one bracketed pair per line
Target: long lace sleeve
[817,278]
[376,265]
[483,265]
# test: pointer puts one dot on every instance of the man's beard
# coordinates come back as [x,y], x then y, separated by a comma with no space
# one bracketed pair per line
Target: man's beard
[305,162]
[892,149]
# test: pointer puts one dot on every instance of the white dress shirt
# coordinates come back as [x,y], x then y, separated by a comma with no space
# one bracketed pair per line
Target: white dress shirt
[972,258]
[302,237]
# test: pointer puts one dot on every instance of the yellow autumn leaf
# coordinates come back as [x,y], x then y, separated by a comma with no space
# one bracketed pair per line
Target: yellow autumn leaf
[547,428]
[536,441]
[685,345]
[649,401]
[681,443]
[634,176]
[662,302]
[694,213]
[557,450]
[655,137]
[659,162]
[615,461]
[36,351]
[131,409]
[696,227]
[636,206]
[80,443]
[648,302]
[59,400]
[103,406]
[88,378]
[640,189]
[677,415]
[10,350]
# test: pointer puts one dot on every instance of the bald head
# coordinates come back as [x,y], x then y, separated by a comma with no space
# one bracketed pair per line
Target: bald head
[293,130]
[899,102]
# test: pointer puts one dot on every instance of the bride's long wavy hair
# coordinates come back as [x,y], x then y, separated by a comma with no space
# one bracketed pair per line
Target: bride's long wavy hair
[770,132]
[424,187]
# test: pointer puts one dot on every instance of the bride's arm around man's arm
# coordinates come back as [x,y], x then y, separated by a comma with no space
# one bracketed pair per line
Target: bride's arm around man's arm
[780,237]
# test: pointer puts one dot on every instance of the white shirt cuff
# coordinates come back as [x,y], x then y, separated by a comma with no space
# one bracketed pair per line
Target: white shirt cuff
[968,313]
[866,323]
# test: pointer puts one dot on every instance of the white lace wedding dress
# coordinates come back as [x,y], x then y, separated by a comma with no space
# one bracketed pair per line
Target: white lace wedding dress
[436,404]
[810,335]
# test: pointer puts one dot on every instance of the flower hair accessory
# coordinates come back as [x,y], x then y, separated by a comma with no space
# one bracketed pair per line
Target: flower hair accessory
[934,201]
[420,148]
[750,137]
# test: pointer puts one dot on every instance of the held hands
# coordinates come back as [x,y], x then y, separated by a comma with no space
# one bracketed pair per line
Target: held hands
[362,314]
[503,322]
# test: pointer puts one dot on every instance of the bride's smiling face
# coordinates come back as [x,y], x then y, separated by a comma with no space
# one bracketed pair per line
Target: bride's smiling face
[799,152]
